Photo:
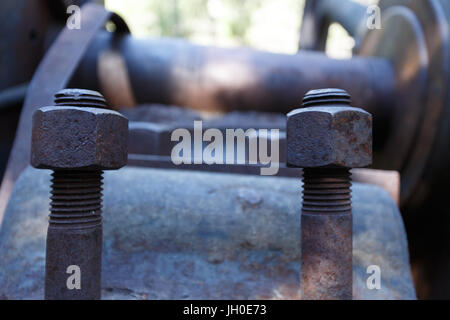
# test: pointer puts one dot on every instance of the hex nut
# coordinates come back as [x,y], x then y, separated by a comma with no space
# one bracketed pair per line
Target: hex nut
[335,136]
[79,138]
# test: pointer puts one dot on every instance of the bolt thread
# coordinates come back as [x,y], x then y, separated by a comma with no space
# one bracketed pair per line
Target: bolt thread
[326,96]
[80,98]
[326,191]
[76,200]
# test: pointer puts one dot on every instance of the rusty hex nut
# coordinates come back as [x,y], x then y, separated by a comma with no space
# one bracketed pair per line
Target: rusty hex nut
[331,136]
[66,137]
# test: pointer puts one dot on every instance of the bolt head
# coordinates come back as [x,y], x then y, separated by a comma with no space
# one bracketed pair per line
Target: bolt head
[336,136]
[79,138]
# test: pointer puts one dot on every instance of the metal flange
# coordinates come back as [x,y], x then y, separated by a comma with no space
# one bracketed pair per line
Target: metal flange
[414,37]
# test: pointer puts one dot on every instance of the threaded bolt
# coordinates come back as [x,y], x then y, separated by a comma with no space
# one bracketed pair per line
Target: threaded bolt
[79,129]
[77,194]
[80,98]
[326,226]
[326,138]
[326,190]
[76,200]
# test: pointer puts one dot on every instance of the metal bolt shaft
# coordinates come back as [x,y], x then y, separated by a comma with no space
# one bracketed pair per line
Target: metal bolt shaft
[326,221]
[74,236]
[327,137]
[326,224]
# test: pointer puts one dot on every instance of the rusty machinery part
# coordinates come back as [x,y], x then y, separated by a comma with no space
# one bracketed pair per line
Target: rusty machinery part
[419,128]
[414,38]
[78,138]
[327,132]
[327,137]
[379,79]
[326,96]
[326,235]
[149,143]
[244,237]
[74,235]
[176,72]
[77,142]
[53,74]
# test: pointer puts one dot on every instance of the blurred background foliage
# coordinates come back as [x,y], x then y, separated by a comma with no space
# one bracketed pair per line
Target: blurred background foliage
[271,25]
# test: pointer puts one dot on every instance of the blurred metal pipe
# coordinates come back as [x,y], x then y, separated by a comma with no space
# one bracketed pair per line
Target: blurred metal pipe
[174,71]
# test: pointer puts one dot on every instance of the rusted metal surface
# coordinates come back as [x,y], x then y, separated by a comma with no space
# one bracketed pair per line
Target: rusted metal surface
[74,235]
[52,75]
[77,139]
[388,180]
[229,237]
[327,137]
[326,231]
[328,132]
[149,142]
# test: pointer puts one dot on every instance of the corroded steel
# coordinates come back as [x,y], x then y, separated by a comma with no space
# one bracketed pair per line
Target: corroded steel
[327,137]
[77,142]
[69,137]
[326,233]
[327,131]
[74,235]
